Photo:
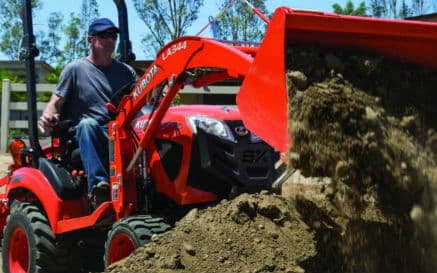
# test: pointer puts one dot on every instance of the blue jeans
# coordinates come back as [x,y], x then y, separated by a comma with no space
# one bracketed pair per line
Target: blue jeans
[93,145]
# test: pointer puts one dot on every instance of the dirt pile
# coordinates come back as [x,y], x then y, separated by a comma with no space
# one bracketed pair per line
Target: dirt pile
[251,233]
[360,191]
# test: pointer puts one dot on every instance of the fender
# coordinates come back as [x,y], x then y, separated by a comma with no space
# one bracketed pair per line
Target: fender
[32,180]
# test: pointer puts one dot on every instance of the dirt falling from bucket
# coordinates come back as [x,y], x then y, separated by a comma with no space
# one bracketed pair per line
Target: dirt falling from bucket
[367,124]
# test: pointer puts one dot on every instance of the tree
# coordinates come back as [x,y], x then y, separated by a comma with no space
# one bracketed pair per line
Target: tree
[4,74]
[15,96]
[89,12]
[377,8]
[49,46]
[393,7]
[72,32]
[405,11]
[418,7]
[166,20]
[240,23]
[389,8]
[53,76]
[11,32]
[76,29]
[349,9]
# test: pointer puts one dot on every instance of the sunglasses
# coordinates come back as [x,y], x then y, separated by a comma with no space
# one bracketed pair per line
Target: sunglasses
[106,35]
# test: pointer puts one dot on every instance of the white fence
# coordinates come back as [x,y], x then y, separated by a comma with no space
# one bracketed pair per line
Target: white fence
[7,106]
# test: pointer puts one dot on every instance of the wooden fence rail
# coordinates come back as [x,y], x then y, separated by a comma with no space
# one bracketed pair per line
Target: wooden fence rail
[7,106]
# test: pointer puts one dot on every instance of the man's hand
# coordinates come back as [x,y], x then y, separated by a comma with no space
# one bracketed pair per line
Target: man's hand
[46,122]
[50,115]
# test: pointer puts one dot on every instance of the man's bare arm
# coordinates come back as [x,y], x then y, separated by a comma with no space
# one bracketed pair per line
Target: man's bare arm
[50,114]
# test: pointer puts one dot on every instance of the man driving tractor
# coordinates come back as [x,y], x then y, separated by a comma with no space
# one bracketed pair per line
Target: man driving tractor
[84,87]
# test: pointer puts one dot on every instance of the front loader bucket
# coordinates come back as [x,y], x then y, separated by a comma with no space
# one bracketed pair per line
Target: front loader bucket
[263,98]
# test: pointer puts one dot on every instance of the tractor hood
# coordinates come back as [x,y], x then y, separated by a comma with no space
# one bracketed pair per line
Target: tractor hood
[214,111]
[176,117]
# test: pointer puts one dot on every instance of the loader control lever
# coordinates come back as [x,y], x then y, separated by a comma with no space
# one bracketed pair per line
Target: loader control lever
[62,128]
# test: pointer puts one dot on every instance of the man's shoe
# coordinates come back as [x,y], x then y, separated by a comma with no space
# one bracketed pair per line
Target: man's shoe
[100,194]
[103,185]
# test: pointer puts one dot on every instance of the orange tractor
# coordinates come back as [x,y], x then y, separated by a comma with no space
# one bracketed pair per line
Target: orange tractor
[154,148]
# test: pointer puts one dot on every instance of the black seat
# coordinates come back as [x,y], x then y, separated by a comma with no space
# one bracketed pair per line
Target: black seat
[60,180]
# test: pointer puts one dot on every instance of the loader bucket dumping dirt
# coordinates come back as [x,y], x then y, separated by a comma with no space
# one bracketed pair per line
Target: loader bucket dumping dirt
[263,98]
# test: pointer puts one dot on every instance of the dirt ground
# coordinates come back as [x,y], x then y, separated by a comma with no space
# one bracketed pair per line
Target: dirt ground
[5,161]
[361,183]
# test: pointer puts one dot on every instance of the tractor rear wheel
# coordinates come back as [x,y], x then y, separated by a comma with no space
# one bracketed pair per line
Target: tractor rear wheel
[29,244]
[130,233]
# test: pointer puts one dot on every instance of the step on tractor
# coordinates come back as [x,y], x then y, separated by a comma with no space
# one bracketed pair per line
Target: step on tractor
[165,159]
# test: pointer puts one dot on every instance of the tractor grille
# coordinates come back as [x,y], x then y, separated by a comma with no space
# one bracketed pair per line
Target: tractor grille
[252,156]
[245,163]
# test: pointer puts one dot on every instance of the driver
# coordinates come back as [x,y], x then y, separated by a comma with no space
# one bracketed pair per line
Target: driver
[84,87]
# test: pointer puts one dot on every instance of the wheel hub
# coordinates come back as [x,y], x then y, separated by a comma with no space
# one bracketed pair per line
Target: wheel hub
[121,246]
[19,251]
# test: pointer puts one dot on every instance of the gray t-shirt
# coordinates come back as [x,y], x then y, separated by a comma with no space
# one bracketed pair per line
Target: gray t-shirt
[87,88]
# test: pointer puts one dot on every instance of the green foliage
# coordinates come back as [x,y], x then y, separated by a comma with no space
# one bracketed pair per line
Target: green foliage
[4,74]
[15,96]
[49,42]
[349,9]
[53,77]
[88,13]
[44,96]
[17,133]
[11,32]
[21,96]
[176,100]
[73,32]
[378,8]
[76,29]
[392,9]
[240,23]
[49,46]
[405,10]
[418,7]
[166,20]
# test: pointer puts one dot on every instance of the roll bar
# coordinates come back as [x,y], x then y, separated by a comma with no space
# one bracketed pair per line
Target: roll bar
[28,52]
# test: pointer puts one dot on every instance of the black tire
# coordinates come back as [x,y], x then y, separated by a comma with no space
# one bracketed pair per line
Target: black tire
[130,233]
[27,227]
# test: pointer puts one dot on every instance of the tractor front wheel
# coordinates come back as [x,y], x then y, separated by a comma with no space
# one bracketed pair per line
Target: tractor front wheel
[130,233]
[29,245]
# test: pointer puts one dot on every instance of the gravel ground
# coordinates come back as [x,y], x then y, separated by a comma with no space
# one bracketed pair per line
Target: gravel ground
[5,160]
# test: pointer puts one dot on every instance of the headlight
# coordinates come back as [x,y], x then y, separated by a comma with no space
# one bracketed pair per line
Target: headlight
[211,126]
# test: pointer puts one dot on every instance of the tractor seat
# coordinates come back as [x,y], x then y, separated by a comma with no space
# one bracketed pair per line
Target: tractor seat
[57,171]
[68,148]
[60,180]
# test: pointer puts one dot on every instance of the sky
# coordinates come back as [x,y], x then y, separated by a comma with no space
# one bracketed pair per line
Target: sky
[137,28]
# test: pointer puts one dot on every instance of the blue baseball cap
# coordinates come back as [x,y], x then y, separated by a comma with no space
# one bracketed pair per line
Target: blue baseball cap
[100,25]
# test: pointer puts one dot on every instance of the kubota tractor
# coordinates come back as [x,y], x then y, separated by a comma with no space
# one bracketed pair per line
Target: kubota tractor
[163,159]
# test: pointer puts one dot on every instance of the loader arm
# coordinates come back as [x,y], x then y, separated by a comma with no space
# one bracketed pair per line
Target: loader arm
[175,66]
[172,65]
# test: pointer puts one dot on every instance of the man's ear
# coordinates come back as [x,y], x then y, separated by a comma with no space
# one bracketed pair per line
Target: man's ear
[90,38]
